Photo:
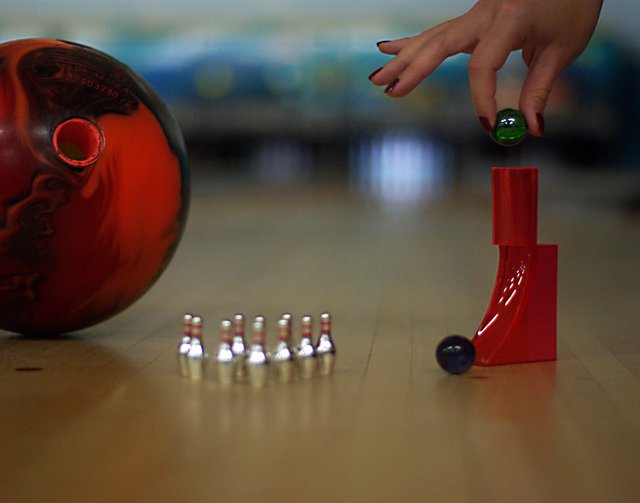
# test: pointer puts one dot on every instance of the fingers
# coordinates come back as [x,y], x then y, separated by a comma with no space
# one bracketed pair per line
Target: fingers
[488,57]
[393,47]
[417,57]
[536,89]
[388,75]
[405,72]
[490,32]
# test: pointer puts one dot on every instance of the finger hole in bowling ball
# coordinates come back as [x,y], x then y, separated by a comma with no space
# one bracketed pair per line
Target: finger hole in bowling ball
[78,142]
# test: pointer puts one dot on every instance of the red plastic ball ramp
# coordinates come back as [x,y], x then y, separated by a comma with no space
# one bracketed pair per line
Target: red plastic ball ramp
[520,323]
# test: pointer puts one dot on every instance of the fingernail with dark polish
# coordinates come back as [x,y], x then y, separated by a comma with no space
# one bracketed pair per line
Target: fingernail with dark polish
[540,120]
[382,42]
[374,73]
[392,86]
[486,125]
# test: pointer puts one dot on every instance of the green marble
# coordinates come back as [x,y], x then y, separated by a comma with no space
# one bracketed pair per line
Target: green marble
[510,128]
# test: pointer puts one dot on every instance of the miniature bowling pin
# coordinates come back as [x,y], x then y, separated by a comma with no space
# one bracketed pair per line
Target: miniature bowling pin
[185,345]
[257,362]
[225,361]
[325,349]
[238,346]
[283,359]
[306,351]
[289,318]
[196,357]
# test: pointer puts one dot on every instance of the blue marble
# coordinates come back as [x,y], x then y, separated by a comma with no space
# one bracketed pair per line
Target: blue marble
[455,354]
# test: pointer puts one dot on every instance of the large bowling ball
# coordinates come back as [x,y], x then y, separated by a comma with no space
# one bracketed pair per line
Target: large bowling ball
[94,186]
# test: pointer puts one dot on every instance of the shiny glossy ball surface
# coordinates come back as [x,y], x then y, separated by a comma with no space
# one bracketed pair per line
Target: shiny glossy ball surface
[455,354]
[94,186]
[510,128]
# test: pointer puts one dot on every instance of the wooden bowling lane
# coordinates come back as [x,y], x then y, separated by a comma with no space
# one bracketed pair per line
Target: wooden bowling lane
[108,417]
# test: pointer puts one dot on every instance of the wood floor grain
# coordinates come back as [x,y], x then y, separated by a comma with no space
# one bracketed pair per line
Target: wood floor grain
[103,414]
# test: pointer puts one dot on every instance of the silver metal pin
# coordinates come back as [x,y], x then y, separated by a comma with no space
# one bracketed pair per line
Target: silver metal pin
[197,356]
[283,357]
[225,361]
[306,351]
[185,345]
[257,360]
[239,346]
[326,349]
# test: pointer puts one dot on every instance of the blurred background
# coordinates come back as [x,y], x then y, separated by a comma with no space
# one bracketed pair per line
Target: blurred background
[277,92]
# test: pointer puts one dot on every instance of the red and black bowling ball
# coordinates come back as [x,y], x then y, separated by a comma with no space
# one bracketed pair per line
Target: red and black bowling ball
[94,186]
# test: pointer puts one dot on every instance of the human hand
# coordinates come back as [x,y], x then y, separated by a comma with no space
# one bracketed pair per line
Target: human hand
[551,34]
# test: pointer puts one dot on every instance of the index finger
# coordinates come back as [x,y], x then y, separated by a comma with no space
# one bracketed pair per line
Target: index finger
[489,56]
